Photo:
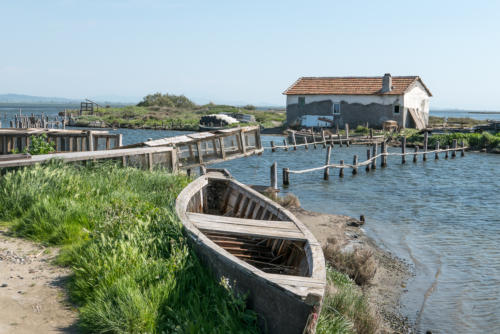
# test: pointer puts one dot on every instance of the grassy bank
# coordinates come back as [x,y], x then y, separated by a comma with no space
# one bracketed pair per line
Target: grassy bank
[133,269]
[172,117]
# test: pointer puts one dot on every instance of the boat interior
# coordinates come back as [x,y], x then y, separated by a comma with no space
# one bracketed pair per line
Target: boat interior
[249,227]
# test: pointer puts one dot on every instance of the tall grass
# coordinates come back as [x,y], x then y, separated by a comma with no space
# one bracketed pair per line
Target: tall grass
[133,269]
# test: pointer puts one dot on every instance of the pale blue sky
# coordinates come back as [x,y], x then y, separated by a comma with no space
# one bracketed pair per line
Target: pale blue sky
[247,51]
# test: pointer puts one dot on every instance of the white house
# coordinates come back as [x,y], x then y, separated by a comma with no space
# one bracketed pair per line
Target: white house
[358,100]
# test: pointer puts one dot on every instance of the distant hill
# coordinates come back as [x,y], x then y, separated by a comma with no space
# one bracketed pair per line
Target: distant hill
[20,98]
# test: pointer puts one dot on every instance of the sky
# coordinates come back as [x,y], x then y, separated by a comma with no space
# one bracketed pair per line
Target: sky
[246,51]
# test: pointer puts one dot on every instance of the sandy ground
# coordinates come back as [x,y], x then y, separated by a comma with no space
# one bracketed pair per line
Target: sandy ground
[387,285]
[32,299]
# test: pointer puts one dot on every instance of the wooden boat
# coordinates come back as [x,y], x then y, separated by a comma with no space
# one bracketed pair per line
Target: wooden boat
[259,248]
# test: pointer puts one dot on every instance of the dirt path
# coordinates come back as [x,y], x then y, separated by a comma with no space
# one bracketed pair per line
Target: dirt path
[32,299]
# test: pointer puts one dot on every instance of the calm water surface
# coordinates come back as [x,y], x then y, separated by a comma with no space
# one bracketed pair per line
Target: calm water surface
[441,216]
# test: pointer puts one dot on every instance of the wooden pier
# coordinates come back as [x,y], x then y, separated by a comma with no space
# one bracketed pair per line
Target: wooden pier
[12,140]
[372,156]
[174,153]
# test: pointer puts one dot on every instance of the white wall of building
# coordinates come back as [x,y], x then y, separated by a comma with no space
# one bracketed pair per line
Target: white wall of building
[418,98]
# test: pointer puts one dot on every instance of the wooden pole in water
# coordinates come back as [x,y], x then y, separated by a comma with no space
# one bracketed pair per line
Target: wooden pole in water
[305,142]
[463,148]
[326,173]
[426,141]
[340,140]
[403,150]
[285,144]
[446,154]
[286,180]
[294,141]
[415,155]
[375,152]
[323,137]
[384,157]
[347,132]
[454,152]
[330,138]
[368,157]
[436,155]
[274,176]
[355,164]
[273,149]
[314,140]
[371,133]
[341,171]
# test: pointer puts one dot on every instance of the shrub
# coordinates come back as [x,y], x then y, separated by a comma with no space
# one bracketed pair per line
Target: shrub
[40,145]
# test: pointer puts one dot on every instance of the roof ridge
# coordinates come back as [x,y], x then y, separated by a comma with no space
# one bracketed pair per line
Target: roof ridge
[361,77]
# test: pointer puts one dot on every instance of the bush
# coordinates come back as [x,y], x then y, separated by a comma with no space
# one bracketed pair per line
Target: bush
[362,130]
[166,100]
[40,145]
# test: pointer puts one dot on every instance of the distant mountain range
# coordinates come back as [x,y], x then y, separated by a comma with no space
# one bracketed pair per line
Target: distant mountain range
[29,99]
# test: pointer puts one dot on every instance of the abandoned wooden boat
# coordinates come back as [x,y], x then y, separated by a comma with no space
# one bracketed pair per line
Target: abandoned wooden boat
[259,248]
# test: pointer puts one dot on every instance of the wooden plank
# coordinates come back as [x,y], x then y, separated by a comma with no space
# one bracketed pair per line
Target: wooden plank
[206,218]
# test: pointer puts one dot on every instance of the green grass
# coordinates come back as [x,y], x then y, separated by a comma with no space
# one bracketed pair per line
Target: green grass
[475,141]
[175,118]
[133,271]
[345,310]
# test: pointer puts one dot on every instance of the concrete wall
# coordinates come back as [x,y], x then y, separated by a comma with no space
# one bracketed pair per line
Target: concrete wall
[418,99]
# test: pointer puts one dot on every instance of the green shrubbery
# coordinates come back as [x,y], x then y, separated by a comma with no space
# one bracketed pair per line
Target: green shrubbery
[133,269]
[166,100]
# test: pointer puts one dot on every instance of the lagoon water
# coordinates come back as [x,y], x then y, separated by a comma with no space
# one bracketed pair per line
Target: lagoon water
[442,216]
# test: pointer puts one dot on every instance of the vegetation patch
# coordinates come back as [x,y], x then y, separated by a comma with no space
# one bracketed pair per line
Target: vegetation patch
[133,269]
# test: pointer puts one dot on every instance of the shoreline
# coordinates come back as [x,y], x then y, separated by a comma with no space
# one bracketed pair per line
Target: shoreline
[384,290]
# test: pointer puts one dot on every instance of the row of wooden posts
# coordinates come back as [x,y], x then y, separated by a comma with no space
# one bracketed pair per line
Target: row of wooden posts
[36,121]
[371,159]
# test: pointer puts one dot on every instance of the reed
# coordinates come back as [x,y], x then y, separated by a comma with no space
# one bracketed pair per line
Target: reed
[133,271]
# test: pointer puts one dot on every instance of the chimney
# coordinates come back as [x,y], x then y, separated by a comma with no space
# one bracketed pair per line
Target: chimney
[386,83]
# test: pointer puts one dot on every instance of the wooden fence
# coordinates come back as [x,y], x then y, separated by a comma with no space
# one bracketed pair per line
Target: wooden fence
[64,140]
[372,156]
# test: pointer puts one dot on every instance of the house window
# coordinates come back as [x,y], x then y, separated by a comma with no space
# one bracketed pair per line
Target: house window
[396,109]
[336,108]
[302,101]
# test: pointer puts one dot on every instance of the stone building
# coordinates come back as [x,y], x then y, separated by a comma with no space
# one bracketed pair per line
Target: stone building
[310,101]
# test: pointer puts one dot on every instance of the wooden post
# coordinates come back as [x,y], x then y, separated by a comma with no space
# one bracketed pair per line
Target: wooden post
[314,140]
[90,141]
[383,162]
[415,155]
[330,138]
[446,154]
[149,156]
[286,180]
[355,163]
[273,149]
[222,148]
[368,157]
[436,155]
[371,133]
[203,170]
[403,150]
[274,176]
[285,144]
[341,171]
[243,144]
[340,140]
[294,141]
[118,140]
[463,148]
[323,137]
[375,152]
[426,141]
[108,143]
[200,152]
[326,173]
[347,132]
[305,141]
[454,152]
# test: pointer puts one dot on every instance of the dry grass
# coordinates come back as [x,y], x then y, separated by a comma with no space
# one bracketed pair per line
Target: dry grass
[289,201]
[360,265]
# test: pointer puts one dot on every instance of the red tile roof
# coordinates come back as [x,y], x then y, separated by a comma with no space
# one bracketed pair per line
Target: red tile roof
[350,86]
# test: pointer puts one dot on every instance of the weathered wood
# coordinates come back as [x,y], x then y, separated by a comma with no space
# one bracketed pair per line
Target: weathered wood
[222,148]
[341,169]
[463,148]
[374,155]
[416,153]
[340,140]
[355,164]
[403,150]
[371,133]
[446,153]
[200,153]
[242,140]
[273,148]
[108,143]
[305,142]
[274,175]
[286,180]
[454,146]
[326,172]
[383,159]
[368,157]
[90,141]
[285,144]
[436,155]
[314,140]
[426,142]
[347,131]
[294,141]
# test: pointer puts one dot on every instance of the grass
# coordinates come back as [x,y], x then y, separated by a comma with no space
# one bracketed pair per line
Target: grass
[175,118]
[454,121]
[133,270]
[345,310]
[476,141]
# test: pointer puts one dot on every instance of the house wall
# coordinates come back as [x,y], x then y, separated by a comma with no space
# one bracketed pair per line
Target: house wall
[418,99]
[354,109]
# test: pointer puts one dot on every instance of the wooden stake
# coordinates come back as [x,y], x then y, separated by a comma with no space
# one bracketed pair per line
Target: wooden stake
[355,164]
[368,157]
[454,152]
[384,157]
[326,173]
[285,144]
[463,148]
[273,149]
[371,133]
[323,137]
[340,140]
[426,141]
[294,141]
[375,152]
[341,171]
[436,155]
[415,155]
[347,132]
[286,180]
[305,141]
[274,176]
[403,150]
[446,154]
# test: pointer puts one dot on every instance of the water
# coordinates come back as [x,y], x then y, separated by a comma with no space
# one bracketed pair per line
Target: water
[482,115]
[442,216]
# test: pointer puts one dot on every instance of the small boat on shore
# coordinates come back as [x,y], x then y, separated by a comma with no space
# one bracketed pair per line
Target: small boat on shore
[259,248]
